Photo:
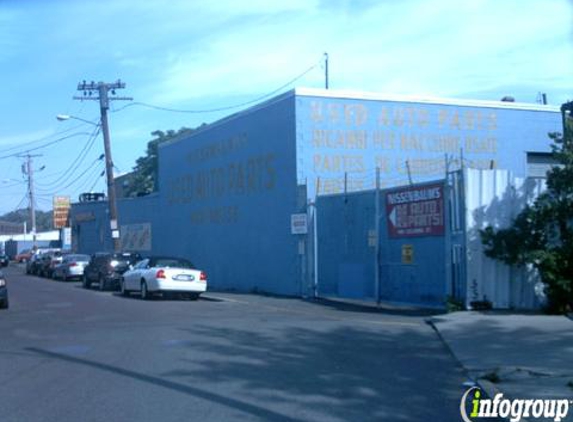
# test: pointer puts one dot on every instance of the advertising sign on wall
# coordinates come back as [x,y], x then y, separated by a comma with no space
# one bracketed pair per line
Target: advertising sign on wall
[415,211]
[136,237]
[61,211]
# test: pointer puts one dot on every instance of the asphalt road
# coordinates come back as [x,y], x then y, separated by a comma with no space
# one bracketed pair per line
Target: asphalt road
[69,354]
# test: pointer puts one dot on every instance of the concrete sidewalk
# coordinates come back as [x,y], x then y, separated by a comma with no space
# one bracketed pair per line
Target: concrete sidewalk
[521,356]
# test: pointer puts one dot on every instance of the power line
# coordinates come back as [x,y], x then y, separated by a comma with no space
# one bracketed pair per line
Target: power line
[81,175]
[76,163]
[212,110]
[97,180]
[23,146]
[26,150]
[98,173]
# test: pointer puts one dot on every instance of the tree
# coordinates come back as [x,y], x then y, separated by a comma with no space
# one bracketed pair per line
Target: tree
[143,179]
[542,234]
[43,219]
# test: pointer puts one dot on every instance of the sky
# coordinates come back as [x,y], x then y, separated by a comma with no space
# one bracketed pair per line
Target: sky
[197,55]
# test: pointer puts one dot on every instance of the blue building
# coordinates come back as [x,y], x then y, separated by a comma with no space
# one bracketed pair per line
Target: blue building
[233,196]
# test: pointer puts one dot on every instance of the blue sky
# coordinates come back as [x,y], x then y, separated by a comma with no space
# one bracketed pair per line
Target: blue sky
[200,55]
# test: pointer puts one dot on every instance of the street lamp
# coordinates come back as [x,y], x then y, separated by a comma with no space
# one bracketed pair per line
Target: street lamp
[112,201]
[62,117]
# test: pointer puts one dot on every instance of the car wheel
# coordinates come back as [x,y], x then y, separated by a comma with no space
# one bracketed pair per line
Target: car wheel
[102,284]
[86,283]
[194,296]
[145,295]
[4,305]
[124,291]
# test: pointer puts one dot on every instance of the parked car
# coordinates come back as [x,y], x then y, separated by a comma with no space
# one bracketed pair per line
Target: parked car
[3,292]
[164,275]
[4,260]
[48,262]
[72,266]
[106,268]
[24,256]
[35,262]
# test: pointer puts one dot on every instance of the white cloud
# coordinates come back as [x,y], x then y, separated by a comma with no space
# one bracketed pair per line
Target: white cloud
[431,47]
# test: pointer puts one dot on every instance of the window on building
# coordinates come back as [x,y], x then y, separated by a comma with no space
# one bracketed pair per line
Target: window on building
[538,163]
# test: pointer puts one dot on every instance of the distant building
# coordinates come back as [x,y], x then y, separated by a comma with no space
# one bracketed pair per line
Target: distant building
[7,227]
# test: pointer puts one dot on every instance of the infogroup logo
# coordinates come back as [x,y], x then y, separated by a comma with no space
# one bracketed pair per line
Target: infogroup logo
[515,409]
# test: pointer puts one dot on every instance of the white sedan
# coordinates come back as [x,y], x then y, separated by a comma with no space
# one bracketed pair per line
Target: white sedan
[164,275]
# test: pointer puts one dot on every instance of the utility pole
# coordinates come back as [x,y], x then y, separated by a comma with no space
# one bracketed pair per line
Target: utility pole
[28,170]
[567,119]
[103,89]
[377,245]
[325,70]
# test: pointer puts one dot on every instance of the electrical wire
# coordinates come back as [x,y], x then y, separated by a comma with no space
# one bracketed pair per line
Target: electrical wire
[66,174]
[225,108]
[27,144]
[81,175]
[21,202]
[28,150]
[88,179]
[101,175]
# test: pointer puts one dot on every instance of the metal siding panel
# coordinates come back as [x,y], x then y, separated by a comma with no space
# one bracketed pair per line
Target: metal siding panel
[346,262]
[495,197]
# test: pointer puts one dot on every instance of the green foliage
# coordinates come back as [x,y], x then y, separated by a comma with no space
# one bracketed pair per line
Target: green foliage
[542,234]
[43,219]
[143,179]
[454,305]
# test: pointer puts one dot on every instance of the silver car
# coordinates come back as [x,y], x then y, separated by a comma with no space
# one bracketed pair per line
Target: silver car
[72,266]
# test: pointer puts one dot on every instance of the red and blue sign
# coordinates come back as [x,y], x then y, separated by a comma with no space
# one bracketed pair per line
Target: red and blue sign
[415,211]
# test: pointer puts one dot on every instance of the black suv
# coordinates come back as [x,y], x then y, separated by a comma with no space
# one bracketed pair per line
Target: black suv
[106,268]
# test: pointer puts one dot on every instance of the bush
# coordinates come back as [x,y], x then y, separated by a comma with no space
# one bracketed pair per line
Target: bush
[542,234]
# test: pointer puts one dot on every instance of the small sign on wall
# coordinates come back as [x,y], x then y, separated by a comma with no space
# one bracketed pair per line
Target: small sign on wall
[298,224]
[415,211]
[372,238]
[407,254]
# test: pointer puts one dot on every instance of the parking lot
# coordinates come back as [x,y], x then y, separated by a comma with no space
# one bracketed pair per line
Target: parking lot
[70,354]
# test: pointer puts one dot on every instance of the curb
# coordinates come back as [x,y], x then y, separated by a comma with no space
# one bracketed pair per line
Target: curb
[486,386]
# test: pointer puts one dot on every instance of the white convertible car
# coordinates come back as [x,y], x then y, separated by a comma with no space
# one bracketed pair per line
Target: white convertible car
[164,275]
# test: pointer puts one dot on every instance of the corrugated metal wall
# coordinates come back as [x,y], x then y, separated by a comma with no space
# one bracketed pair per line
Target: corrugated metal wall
[346,255]
[495,197]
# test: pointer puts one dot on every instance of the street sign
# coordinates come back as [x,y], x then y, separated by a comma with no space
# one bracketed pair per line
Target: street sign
[415,211]
[298,224]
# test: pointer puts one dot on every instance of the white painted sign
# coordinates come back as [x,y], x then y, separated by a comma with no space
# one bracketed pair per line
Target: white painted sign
[136,237]
[298,224]
[67,237]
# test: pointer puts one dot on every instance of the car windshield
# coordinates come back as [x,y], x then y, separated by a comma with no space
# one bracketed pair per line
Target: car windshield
[126,258]
[171,263]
